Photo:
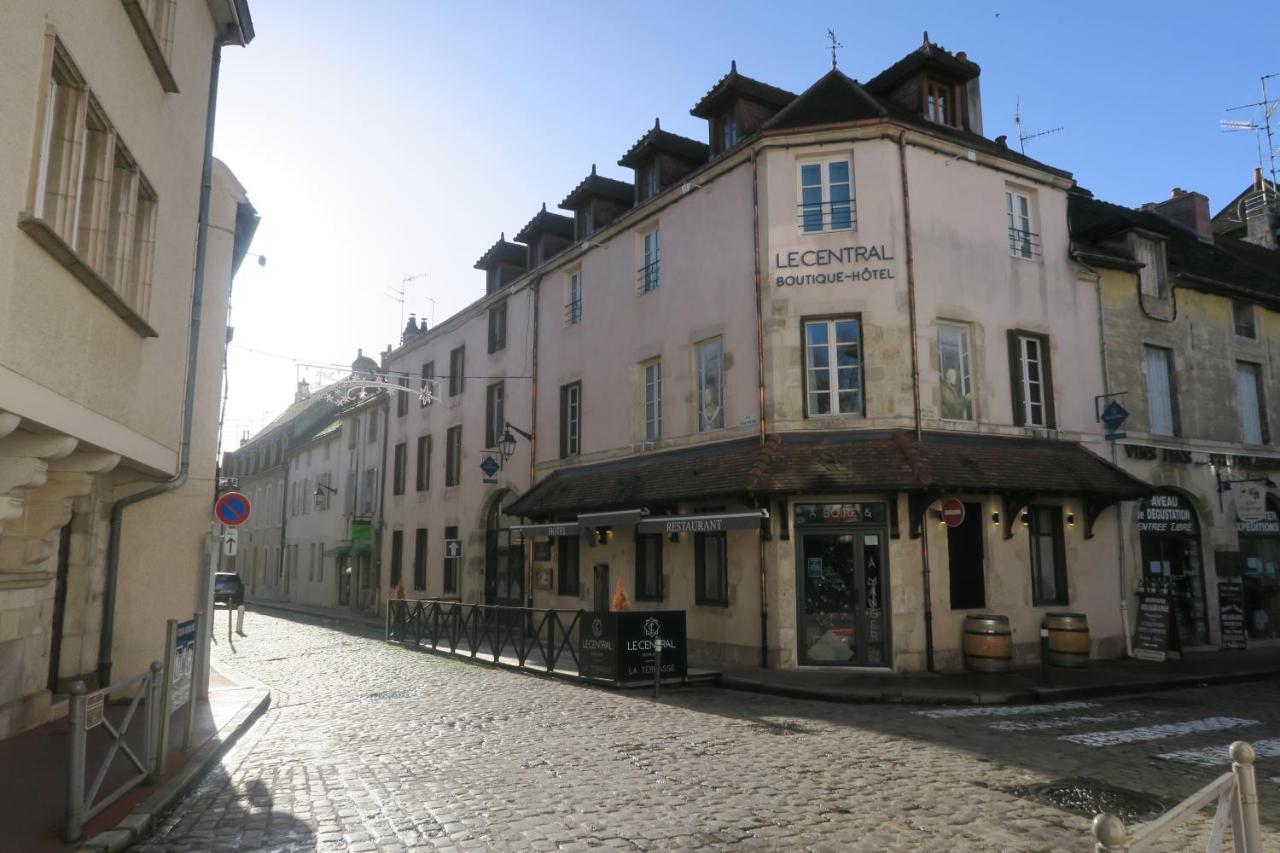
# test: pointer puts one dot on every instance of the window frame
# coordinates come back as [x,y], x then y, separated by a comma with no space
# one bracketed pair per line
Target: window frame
[1022,243]
[498,327]
[573,305]
[397,557]
[566,553]
[1254,369]
[831,347]
[643,543]
[457,370]
[422,473]
[703,423]
[451,580]
[965,330]
[826,205]
[399,466]
[1238,307]
[651,413]
[949,111]
[1037,513]
[701,597]
[453,456]
[1157,269]
[571,419]
[1019,383]
[402,397]
[494,413]
[420,559]
[1169,390]
[650,272]
[428,375]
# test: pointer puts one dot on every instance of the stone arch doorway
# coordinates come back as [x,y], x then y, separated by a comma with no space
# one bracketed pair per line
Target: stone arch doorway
[1173,562]
[503,556]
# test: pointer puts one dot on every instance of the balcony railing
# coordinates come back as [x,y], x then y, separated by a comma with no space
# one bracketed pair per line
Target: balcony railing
[1024,244]
[815,217]
[648,277]
[573,313]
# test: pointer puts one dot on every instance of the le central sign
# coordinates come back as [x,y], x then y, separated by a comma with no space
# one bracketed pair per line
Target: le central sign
[832,266]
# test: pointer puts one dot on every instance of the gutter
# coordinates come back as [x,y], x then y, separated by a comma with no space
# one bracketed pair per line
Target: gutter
[107,635]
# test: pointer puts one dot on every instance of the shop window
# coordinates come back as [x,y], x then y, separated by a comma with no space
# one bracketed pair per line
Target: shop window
[955,372]
[710,356]
[450,579]
[498,327]
[397,556]
[1260,562]
[711,569]
[420,559]
[833,367]
[493,414]
[570,420]
[827,200]
[1048,556]
[568,575]
[652,371]
[1158,365]
[453,456]
[423,479]
[457,370]
[1249,395]
[398,472]
[1032,379]
[648,583]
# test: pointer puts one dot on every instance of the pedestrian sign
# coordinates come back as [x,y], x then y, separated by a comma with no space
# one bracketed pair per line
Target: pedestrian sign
[452,548]
[489,466]
[1113,416]
[232,508]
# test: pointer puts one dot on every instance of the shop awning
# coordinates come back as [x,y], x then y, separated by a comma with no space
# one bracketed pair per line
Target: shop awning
[713,522]
[340,551]
[359,549]
[617,518]
[845,462]
[585,525]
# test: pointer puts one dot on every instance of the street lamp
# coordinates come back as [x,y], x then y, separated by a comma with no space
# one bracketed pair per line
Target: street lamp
[507,441]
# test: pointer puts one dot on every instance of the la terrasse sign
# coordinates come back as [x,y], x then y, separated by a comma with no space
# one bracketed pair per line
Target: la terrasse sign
[847,264]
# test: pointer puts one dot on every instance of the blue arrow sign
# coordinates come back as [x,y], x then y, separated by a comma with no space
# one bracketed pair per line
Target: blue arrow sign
[453,548]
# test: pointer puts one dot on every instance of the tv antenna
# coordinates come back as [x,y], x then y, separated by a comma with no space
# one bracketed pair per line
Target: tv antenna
[1023,137]
[399,296]
[831,35]
[1262,127]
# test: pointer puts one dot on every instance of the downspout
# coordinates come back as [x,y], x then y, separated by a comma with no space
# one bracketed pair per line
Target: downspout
[375,555]
[107,636]
[1106,389]
[535,290]
[926,579]
[755,234]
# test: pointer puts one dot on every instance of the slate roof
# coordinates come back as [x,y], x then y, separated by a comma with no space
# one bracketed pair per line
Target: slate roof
[545,222]
[1227,265]
[657,140]
[598,186]
[735,84]
[503,251]
[832,463]
[316,399]
[926,54]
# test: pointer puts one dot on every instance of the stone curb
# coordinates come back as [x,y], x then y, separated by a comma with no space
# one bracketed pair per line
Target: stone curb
[144,815]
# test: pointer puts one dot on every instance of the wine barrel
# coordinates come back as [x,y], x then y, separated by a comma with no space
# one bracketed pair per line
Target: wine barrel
[988,643]
[1068,639]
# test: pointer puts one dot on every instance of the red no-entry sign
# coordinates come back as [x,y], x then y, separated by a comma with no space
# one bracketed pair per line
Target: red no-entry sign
[952,512]
[232,508]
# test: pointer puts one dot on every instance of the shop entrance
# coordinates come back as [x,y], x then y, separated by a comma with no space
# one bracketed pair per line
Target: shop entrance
[503,559]
[842,585]
[1260,559]
[1171,563]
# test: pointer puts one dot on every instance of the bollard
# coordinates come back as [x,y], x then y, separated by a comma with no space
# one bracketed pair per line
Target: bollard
[1242,756]
[657,667]
[155,722]
[1109,834]
[240,620]
[1044,655]
[75,765]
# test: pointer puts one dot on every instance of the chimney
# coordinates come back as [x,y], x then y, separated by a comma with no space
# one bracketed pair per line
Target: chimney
[1188,209]
[304,391]
[1260,214]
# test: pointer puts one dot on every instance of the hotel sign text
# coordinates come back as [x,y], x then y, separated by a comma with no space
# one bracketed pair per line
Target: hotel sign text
[832,266]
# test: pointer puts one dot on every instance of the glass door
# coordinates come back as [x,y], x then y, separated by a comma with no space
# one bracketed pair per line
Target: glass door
[842,582]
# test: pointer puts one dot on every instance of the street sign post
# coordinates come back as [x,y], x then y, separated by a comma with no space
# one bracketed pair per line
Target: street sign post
[952,512]
[232,508]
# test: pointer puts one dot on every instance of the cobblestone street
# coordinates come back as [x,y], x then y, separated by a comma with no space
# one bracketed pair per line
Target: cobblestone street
[368,746]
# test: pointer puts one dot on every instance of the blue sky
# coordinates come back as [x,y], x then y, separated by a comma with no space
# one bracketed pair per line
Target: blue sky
[381,140]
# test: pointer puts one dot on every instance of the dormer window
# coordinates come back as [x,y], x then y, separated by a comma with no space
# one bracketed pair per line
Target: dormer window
[649,185]
[938,103]
[728,132]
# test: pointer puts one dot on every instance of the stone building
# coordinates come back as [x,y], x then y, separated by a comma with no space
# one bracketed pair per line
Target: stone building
[121,225]
[1191,315]
[743,380]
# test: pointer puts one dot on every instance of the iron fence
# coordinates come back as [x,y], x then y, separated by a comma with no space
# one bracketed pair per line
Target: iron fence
[533,638]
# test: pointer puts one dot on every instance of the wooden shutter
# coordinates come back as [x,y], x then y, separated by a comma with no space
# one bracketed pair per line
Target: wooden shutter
[564,421]
[1046,369]
[1015,379]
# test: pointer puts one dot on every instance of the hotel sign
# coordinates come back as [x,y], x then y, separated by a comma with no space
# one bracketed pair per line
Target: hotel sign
[832,266]
[842,513]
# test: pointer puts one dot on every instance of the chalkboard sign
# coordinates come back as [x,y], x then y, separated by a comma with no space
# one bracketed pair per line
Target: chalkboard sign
[1231,614]
[1151,639]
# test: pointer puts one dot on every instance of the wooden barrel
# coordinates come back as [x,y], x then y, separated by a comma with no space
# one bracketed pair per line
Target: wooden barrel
[988,643]
[1068,638]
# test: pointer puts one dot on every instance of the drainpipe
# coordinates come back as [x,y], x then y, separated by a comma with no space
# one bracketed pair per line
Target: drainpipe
[107,635]
[926,579]
[755,233]
[536,290]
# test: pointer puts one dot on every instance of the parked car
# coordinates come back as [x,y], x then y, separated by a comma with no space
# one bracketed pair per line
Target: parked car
[228,590]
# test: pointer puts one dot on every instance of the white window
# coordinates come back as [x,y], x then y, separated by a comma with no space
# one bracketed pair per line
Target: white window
[1031,358]
[938,102]
[826,196]
[1152,277]
[1250,397]
[653,400]
[1021,237]
[955,372]
[1159,390]
[573,308]
[711,384]
[833,367]
[651,257]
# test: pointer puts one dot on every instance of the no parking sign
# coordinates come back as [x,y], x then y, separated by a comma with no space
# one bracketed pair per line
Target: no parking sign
[232,508]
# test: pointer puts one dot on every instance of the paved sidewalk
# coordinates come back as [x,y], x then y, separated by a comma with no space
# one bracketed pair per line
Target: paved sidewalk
[1099,678]
[33,788]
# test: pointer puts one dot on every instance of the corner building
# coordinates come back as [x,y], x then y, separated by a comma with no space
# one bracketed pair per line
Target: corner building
[754,380]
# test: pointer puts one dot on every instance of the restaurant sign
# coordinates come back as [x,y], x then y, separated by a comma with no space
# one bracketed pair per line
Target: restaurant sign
[841,513]
[832,266]
[1165,513]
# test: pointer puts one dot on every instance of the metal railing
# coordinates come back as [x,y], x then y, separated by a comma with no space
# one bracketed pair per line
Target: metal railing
[1237,794]
[649,276]
[1024,244]
[817,216]
[87,711]
[536,639]
[573,312]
